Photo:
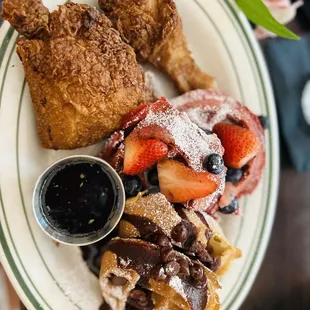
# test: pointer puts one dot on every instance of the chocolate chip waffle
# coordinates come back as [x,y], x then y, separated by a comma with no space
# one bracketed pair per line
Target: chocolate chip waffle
[154,219]
[136,274]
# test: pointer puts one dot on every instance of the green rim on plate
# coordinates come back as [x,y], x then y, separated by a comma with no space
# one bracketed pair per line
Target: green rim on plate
[28,294]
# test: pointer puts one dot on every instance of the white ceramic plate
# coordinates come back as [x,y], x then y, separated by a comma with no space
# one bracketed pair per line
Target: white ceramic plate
[51,277]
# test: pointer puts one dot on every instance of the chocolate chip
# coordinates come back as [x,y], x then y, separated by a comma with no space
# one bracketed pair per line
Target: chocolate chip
[199,247]
[168,255]
[162,240]
[150,237]
[184,268]
[172,269]
[118,281]
[158,273]
[216,263]
[180,233]
[138,296]
[202,283]
[196,271]
[195,247]
[205,257]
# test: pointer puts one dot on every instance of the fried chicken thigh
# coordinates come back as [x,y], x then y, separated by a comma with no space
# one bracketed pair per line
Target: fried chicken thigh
[82,76]
[154,29]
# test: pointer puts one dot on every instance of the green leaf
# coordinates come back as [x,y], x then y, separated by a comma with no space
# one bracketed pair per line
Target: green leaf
[258,13]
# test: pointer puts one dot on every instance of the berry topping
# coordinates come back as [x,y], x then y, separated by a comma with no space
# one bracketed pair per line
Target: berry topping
[135,116]
[234,175]
[264,121]
[180,183]
[214,163]
[151,190]
[207,108]
[132,185]
[152,176]
[231,208]
[142,154]
[240,144]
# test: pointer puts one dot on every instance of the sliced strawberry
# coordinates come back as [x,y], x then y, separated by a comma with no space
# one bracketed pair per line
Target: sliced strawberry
[142,154]
[180,183]
[213,106]
[240,144]
[134,117]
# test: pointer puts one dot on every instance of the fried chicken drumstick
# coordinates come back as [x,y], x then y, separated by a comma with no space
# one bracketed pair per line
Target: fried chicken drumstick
[82,76]
[154,29]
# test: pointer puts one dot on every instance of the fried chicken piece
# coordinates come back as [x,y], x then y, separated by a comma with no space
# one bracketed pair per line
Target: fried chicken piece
[30,18]
[154,29]
[82,77]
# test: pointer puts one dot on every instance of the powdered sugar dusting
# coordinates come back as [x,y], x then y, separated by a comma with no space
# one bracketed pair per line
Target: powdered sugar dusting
[197,96]
[90,296]
[124,262]
[176,283]
[207,108]
[193,142]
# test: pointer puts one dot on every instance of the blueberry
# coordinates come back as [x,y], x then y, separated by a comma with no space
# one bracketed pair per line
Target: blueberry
[152,190]
[132,185]
[152,177]
[214,163]
[231,208]
[234,175]
[264,121]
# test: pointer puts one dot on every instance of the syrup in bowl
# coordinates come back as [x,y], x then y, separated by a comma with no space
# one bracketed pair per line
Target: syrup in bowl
[79,200]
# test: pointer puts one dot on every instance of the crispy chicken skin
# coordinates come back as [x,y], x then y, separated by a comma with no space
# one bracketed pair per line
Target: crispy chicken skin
[82,77]
[29,17]
[154,29]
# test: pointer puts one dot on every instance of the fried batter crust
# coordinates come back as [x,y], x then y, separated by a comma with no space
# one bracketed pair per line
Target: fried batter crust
[30,18]
[82,77]
[154,29]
